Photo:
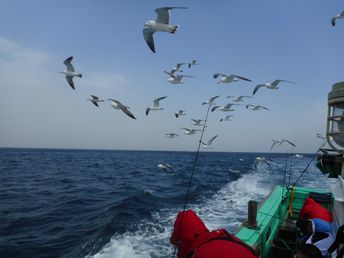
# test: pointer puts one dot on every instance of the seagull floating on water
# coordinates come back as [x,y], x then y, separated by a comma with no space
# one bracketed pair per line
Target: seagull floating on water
[162,24]
[224,78]
[95,100]
[225,108]
[119,106]
[171,135]
[208,144]
[238,98]
[165,166]
[176,79]
[254,108]
[190,131]
[197,122]
[227,118]
[259,160]
[70,72]
[180,113]
[280,141]
[210,102]
[338,16]
[270,85]
[155,106]
[193,62]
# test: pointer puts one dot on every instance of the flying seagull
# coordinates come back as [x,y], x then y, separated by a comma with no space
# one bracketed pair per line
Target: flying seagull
[227,118]
[225,108]
[176,79]
[177,68]
[197,122]
[119,106]
[171,135]
[165,166]
[180,113]
[259,160]
[193,62]
[338,16]
[280,141]
[210,102]
[270,85]
[70,72]
[162,23]
[238,98]
[254,108]
[155,106]
[208,144]
[95,100]
[224,78]
[190,131]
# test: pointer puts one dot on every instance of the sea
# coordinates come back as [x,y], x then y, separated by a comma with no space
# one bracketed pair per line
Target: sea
[104,203]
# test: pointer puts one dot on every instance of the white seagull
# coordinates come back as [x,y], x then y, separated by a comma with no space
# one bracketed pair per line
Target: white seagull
[176,79]
[180,113]
[254,108]
[224,78]
[190,131]
[225,108]
[210,102]
[165,166]
[70,72]
[227,118]
[208,144]
[119,106]
[177,68]
[270,85]
[155,106]
[162,23]
[259,160]
[193,62]
[280,141]
[238,98]
[95,100]
[171,135]
[338,16]
[197,122]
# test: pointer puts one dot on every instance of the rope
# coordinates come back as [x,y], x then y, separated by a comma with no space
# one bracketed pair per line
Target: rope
[191,177]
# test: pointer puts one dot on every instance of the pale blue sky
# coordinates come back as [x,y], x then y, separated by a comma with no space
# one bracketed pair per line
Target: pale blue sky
[261,40]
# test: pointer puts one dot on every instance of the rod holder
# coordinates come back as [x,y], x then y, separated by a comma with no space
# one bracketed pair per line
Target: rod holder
[252,214]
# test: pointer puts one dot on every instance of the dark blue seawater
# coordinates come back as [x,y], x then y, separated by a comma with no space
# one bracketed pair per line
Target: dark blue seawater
[87,203]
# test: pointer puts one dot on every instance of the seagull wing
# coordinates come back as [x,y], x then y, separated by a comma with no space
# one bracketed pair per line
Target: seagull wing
[257,88]
[213,98]
[126,111]
[171,74]
[70,81]
[95,97]
[263,107]
[156,101]
[276,82]
[147,111]
[148,36]
[218,74]
[68,64]
[333,21]
[164,14]
[284,140]
[214,108]
[211,140]
[242,78]
[179,65]
[275,142]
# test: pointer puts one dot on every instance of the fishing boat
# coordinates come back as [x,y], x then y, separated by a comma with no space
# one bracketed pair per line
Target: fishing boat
[271,226]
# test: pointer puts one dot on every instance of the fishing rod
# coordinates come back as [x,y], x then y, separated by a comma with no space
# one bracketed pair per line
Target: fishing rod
[191,177]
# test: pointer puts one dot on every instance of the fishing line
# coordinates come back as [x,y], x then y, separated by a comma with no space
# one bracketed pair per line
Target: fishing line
[191,177]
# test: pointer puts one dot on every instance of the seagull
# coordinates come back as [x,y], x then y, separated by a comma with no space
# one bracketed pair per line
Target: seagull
[176,79]
[180,113]
[193,62]
[171,135]
[190,131]
[338,16]
[225,108]
[261,160]
[238,98]
[155,106]
[280,141]
[197,122]
[177,68]
[270,85]
[162,23]
[254,108]
[229,78]
[227,118]
[70,72]
[210,102]
[95,100]
[165,166]
[118,105]
[208,144]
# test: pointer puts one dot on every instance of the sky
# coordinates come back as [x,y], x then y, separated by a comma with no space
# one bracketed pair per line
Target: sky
[261,40]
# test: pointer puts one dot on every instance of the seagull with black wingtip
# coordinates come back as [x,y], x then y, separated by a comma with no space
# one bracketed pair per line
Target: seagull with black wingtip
[70,72]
